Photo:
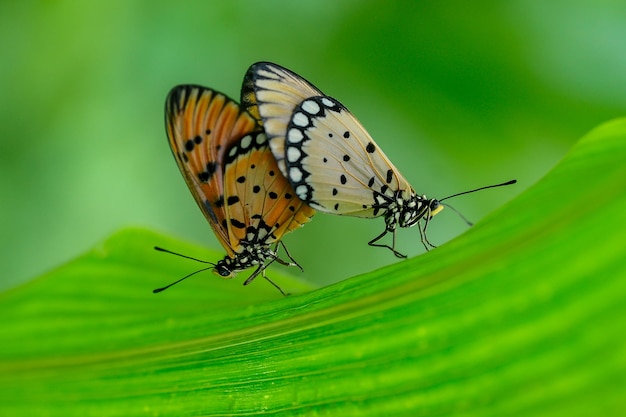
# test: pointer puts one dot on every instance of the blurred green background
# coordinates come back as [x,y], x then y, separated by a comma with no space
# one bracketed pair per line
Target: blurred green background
[458,95]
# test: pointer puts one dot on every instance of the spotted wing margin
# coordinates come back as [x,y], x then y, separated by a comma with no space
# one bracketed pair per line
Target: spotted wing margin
[335,165]
[201,125]
[261,206]
[270,93]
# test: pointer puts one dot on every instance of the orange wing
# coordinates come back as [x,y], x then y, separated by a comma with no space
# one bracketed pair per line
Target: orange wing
[261,206]
[202,125]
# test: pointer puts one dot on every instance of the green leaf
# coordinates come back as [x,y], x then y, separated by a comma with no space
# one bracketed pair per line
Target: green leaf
[521,315]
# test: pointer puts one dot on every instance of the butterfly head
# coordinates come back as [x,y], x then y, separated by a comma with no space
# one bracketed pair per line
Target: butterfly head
[252,254]
[223,269]
[416,207]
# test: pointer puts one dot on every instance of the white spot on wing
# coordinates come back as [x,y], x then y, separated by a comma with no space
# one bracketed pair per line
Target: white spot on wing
[293,154]
[295,135]
[261,139]
[311,107]
[327,102]
[246,141]
[301,190]
[300,119]
[295,174]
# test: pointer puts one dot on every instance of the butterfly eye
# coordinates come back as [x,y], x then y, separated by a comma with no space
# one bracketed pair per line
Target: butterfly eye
[435,207]
[223,272]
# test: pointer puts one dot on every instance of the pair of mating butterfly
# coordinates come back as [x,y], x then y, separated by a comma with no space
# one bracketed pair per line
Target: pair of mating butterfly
[260,169]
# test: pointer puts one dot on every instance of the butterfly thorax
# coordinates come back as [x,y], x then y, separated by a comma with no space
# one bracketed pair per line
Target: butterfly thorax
[252,254]
[408,208]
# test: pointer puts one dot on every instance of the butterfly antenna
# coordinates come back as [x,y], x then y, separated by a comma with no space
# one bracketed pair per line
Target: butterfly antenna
[182,279]
[186,276]
[469,223]
[182,256]
[479,189]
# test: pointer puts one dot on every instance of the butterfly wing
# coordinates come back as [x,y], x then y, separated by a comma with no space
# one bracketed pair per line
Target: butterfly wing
[271,93]
[261,206]
[202,125]
[331,161]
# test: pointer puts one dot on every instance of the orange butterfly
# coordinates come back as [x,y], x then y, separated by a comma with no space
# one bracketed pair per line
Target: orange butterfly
[224,156]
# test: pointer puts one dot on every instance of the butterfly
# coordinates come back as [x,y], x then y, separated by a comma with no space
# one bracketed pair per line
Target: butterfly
[329,158]
[224,156]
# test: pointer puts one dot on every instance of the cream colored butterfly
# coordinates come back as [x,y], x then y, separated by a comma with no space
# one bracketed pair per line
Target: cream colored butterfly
[331,161]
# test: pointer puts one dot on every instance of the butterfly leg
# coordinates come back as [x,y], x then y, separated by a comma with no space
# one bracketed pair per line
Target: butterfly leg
[256,273]
[274,284]
[293,261]
[261,270]
[380,236]
[423,237]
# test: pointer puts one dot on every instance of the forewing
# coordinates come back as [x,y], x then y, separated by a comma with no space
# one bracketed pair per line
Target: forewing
[271,93]
[202,125]
[330,159]
[261,205]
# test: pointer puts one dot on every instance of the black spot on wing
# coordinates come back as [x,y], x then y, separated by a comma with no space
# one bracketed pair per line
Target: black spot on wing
[236,223]
[206,175]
